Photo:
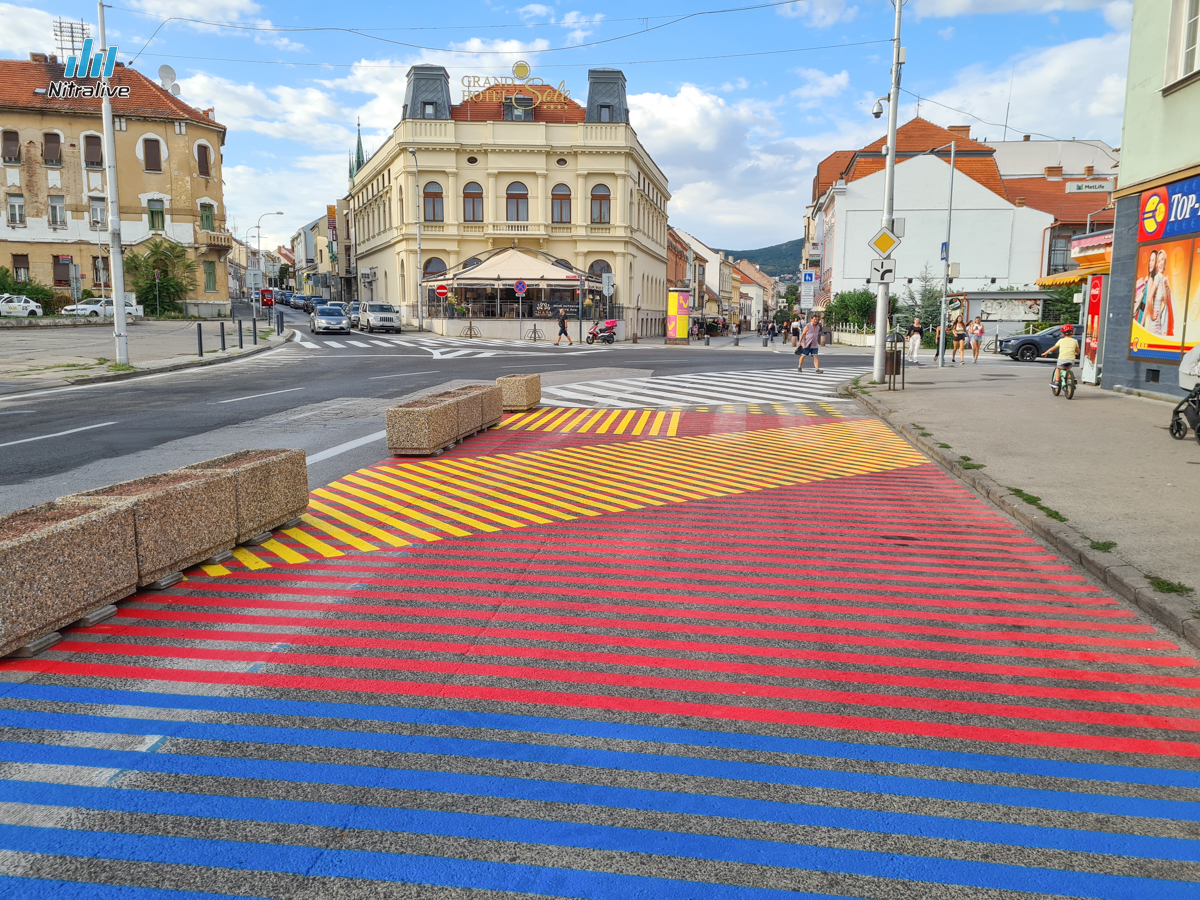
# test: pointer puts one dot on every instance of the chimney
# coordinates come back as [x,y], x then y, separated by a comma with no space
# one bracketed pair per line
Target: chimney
[1089,171]
[606,100]
[37,57]
[53,59]
[1053,171]
[1020,202]
[1025,137]
[962,131]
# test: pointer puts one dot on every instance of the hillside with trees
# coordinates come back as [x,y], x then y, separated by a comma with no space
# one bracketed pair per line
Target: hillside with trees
[776,260]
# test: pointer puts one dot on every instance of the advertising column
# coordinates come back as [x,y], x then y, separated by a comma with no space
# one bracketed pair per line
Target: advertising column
[1093,295]
[678,322]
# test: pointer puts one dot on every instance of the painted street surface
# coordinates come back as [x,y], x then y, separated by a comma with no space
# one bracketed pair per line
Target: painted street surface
[671,654]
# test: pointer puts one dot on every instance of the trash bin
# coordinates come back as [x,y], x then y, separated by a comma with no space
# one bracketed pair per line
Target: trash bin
[894,358]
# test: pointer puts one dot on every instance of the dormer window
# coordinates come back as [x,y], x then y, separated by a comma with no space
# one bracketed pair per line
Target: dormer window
[428,110]
[605,113]
[519,108]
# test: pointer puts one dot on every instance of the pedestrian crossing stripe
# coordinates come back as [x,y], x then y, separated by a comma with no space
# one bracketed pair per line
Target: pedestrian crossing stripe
[396,504]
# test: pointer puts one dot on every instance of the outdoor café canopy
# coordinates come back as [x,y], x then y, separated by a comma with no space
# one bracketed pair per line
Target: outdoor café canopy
[508,265]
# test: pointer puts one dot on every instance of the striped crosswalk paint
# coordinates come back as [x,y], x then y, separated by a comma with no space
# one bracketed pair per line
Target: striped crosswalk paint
[706,388]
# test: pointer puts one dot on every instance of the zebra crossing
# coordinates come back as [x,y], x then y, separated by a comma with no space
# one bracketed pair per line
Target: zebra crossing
[706,389]
[438,347]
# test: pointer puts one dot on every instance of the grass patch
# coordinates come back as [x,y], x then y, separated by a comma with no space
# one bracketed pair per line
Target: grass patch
[1033,500]
[944,446]
[120,367]
[1168,587]
[1103,546]
[101,360]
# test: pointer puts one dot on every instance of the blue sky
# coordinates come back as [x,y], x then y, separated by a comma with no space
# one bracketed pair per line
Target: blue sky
[738,135]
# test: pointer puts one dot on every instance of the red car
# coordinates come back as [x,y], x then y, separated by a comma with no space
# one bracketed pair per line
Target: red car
[267,296]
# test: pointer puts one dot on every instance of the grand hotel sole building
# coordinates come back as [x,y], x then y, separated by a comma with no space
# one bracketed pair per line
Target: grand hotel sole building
[515,164]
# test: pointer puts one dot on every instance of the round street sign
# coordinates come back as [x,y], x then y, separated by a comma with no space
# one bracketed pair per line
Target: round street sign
[520,287]
[442,291]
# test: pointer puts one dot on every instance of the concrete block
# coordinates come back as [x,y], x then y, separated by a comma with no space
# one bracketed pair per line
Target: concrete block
[1170,609]
[161,584]
[59,561]
[95,617]
[421,427]
[217,558]
[33,648]
[520,392]
[270,487]
[468,408]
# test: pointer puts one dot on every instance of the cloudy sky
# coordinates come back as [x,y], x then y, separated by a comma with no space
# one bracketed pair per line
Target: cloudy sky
[736,105]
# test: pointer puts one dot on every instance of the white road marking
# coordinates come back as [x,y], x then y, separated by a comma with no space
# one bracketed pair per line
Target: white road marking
[309,345]
[381,343]
[357,344]
[334,344]
[267,394]
[403,374]
[346,447]
[43,437]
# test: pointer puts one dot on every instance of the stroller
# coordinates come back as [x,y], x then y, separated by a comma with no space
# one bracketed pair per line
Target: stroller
[606,334]
[1189,407]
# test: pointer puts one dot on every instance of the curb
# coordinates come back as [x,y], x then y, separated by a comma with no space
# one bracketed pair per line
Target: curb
[1115,572]
[1148,395]
[288,334]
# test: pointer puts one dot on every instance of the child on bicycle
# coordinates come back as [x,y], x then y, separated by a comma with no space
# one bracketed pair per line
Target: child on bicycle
[1068,352]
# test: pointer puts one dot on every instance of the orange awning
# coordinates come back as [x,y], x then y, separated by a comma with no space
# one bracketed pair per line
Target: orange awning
[1074,276]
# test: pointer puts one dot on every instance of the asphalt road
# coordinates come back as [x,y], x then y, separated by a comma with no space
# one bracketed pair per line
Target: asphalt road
[76,438]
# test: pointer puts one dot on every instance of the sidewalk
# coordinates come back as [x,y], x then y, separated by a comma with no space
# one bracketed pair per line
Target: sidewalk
[751,341]
[54,357]
[1104,461]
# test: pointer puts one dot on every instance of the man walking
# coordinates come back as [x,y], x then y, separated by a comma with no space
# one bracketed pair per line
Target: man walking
[810,343]
[915,335]
[562,328]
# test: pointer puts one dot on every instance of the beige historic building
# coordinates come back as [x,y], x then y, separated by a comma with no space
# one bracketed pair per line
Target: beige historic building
[516,163]
[54,179]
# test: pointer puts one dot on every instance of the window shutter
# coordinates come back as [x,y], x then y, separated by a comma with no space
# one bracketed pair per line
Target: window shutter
[153,153]
[52,152]
[20,260]
[91,150]
[12,146]
[62,270]
[202,157]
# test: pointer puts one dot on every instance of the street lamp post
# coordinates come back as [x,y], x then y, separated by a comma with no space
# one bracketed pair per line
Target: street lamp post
[116,262]
[261,270]
[946,263]
[882,306]
[420,272]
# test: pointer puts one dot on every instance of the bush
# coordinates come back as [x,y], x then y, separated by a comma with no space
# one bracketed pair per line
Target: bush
[852,307]
[177,276]
[30,289]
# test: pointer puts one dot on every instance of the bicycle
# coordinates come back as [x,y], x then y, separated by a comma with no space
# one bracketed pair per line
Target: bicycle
[1065,384]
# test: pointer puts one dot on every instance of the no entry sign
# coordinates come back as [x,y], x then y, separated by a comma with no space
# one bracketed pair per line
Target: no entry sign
[442,291]
[520,287]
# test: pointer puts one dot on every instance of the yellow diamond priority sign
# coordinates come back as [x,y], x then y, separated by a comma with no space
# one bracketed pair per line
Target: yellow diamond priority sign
[884,242]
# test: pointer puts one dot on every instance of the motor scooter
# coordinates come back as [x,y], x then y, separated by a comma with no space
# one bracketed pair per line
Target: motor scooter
[606,333]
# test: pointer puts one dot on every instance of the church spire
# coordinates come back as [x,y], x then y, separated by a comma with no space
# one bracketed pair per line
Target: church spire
[360,160]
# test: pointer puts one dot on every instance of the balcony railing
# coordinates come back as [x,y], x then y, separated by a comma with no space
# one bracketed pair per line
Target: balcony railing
[218,240]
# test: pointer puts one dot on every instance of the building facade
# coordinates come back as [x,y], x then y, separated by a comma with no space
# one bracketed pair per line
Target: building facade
[514,164]
[1151,308]
[55,180]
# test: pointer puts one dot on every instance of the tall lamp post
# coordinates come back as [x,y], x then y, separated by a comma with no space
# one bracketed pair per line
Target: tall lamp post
[420,272]
[941,350]
[116,262]
[260,259]
[883,305]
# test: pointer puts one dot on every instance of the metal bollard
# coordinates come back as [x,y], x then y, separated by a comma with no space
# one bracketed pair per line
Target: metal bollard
[222,336]
[737,340]
[765,340]
[199,341]
[241,343]
[254,331]
[706,341]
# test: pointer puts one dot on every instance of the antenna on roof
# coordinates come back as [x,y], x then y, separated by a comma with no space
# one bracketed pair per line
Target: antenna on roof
[166,76]
[69,37]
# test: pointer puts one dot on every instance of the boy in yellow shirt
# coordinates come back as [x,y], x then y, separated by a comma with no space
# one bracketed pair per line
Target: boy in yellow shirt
[1068,352]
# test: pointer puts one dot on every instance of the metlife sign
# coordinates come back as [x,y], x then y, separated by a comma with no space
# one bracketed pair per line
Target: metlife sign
[87,65]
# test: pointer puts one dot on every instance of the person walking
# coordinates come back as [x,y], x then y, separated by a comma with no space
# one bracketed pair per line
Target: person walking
[562,328]
[916,333]
[810,345]
[796,326]
[975,333]
[958,331]
[771,331]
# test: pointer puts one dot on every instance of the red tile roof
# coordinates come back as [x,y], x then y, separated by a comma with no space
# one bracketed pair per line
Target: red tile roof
[829,170]
[552,107]
[19,78]
[1052,197]
[918,135]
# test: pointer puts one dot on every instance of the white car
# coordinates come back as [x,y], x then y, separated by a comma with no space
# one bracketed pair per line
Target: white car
[96,307]
[378,317]
[13,305]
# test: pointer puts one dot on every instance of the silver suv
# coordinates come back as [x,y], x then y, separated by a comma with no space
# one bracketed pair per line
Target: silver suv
[378,317]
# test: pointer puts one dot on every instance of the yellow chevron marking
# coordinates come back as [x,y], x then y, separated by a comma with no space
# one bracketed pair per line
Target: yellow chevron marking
[248,559]
[334,532]
[313,543]
[284,552]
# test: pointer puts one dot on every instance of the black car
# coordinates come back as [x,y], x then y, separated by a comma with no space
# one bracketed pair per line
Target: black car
[1028,347]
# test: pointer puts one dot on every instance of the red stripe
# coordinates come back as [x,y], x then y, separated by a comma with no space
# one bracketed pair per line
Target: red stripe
[629,704]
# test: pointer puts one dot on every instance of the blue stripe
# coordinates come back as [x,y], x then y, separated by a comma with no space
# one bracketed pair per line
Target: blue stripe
[315,862]
[610,839]
[612,731]
[24,888]
[576,756]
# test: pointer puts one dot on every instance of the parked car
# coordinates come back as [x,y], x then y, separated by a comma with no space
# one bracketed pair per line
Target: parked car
[96,307]
[354,313]
[1028,347]
[15,305]
[329,319]
[378,317]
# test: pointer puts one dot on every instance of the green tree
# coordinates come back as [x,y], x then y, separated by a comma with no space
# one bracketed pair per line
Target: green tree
[791,293]
[855,307]
[30,289]
[1060,306]
[285,272]
[177,275]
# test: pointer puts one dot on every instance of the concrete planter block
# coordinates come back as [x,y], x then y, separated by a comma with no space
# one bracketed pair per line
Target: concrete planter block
[421,427]
[60,562]
[271,487]
[468,402]
[492,400]
[521,392]
[180,517]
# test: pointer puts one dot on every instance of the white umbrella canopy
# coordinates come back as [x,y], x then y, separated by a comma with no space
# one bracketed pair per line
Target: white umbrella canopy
[509,265]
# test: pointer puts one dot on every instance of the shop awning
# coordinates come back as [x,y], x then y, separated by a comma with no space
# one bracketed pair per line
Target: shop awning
[508,266]
[1074,276]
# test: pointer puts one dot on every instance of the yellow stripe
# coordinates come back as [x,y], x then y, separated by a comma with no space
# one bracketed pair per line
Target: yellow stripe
[313,543]
[625,421]
[248,559]
[333,531]
[554,418]
[522,487]
[592,421]
[392,521]
[410,473]
[603,429]
[568,426]
[658,420]
[372,496]
[674,426]
[215,570]
[284,552]
[641,422]
[374,489]
[548,472]
[545,412]
[516,420]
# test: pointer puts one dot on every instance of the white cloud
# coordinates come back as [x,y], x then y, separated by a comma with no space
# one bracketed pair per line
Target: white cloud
[946,33]
[1119,14]
[933,9]
[306,189]
[818,86]
[819,13]
[580,25]
[25,29]
[739,85]
[1046,97]
[306,115]
[208,10]
[536,11]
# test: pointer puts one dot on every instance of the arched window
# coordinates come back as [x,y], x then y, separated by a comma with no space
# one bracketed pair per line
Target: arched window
[433,203]
[563,264]
[472,262]
[601,205]
[560,205]
[434,266]
[518,202]
[472,203]
[599,268]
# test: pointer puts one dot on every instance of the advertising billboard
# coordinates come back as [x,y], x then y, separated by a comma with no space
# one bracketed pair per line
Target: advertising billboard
[677,313]
[1165,315]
